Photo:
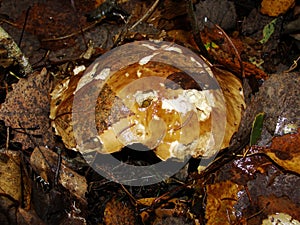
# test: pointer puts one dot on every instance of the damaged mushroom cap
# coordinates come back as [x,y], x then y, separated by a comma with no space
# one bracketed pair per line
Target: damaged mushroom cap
[151,103]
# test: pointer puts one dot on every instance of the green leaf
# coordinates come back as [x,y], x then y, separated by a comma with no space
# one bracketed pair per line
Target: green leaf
[210,45]
[268,31]
[257,128]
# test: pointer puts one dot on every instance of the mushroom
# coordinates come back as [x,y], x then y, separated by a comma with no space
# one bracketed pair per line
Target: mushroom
[158,94]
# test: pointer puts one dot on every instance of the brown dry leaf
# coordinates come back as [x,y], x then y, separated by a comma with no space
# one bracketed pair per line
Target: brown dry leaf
[221,198]
[145,201]
[61,108]
[234,98]
[225,55]
[117,212]
[280,218]
[276,7]
[184,37]
[279,204]
[285,151]
[26,110]
[172,220]
[10,175]
[27,217]
[42,158]
[174,207]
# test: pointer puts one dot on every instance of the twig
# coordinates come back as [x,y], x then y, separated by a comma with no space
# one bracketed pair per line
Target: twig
[132,199]
[24,25]
[79,24]
[14,51]
[197,34]
[293,66]
[72,34]
[234,48]
[57,171]
[146,15]
[7,139]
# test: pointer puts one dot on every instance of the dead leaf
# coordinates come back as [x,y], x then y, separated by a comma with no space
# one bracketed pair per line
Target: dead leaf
[285,151]
[27,217]
[26,111]
[221,198]
[233,93]
[172,220]
[225,55]
[280,218]
[44,161]
[116,212]
[272,204]
[276,7]
[10,175]
[174,207]
[145,201]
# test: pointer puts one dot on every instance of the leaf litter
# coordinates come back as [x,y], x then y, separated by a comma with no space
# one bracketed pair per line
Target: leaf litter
[255,184]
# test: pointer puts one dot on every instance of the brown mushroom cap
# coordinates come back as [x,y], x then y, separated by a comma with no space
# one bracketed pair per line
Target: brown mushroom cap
[151,103]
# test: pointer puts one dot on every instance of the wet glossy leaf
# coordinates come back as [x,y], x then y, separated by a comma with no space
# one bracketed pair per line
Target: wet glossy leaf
[285,151]
[256,128]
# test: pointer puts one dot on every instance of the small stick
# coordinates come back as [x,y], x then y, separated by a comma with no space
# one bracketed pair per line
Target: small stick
[72,34]
[234,48]
[292,67]
[57,171]
[24,25]
[14,51]
[146,15]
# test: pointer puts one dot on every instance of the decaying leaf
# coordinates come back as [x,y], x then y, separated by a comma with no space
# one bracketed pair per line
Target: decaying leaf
[15,191]
[280,219]
[276,7]
[285,151]
[10,175]
[234,98]
[117,212]
[174,209]
[26,111]
[145,201]
[280,205]
[225,54]
[221,198]
[44,161]
[27,217]
[172,220]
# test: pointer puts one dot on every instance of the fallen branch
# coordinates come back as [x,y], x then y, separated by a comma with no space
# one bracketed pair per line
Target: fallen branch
[14,51]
